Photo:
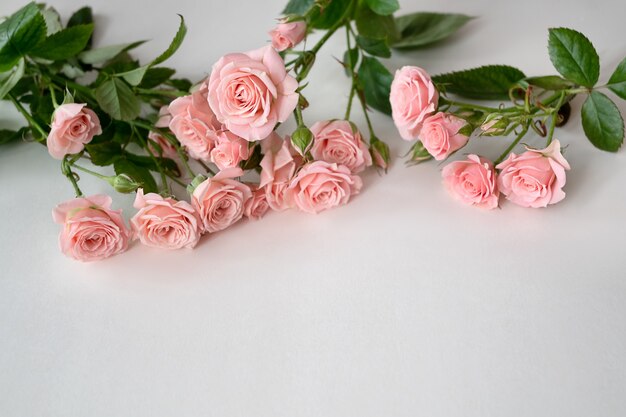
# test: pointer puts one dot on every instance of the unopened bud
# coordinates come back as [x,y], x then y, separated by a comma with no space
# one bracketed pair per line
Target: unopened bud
[380,153]
[199,179]
[122,183]
[302,139]
[494,125]
[418,154]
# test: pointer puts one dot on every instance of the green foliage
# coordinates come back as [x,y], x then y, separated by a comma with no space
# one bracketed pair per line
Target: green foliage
[64,44]
[350,60]
[8,80]
[137,173]
[602,122]
[376,47]
[374,26]
[9,136]
[20,34]
[573,56]
[106,53]
[491,82]
[617,82]
[327,17]
[376,82]
[298,7]
[118,100]
[421,29]
[550,82]
[383,7]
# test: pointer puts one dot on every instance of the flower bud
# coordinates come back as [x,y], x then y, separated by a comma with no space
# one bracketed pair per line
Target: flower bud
[495,124]
[302,139]
[418,154]
[199,179]
[380,153]
[122,183]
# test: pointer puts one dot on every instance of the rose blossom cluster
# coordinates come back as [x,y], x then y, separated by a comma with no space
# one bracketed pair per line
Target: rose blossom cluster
[227,122]
[534,178]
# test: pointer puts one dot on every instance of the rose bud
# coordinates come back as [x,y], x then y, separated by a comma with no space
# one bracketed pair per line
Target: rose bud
[472,182]
[534,178]
[379,152]
[122,183]
[257,206]
[73,126]
[91,230]
[229,150]
[288,35]
[494,125]
[277,169]
[413,97]
[418,154]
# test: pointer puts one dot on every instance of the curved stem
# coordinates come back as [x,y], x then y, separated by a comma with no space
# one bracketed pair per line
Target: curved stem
[513,145]
[28,117]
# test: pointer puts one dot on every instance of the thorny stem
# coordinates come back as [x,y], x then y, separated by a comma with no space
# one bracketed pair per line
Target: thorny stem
[67,171]
[28,117]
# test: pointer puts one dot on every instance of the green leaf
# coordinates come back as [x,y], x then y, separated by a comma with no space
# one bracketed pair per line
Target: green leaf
[64,44]
[422,29]
[375,26]
[602,122]
[135,76]
[550,82]
[182,84]
[118,100]
[83,16]
[106,53]
[156,76]
[103,154]
[490,82]
[376,82]
[8,80]
[350,60]
[573,56]
[8,136]
[137,173]
[169,165]
[617,82]
[298,7]
[19,34]
[376,47]
[383,7]
[52,19]
[331,14]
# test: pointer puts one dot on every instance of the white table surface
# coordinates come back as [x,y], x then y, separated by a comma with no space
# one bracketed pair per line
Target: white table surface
[403,303]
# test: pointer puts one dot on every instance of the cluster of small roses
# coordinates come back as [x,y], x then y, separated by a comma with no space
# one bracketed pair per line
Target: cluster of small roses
[226,121]
[534,178]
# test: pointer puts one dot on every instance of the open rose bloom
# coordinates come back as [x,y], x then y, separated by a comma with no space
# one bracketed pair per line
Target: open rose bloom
[251,92]
[91,231]
[413,96]
[73,126]
[535,178]
[340,141]
[278,167]
[472,182]
[165,222]
[440,135]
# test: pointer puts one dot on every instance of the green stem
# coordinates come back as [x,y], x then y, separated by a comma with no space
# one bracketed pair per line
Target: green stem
[69,174]
[513,145]
[90,172]
[164,93]
[350,99]
[164,186]
[353,85]
[477,107]
[28,117]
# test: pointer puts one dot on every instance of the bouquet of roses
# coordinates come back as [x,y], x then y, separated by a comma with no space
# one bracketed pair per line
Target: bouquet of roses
[218,139]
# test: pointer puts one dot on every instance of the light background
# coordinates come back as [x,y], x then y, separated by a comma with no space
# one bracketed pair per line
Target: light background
[402,303]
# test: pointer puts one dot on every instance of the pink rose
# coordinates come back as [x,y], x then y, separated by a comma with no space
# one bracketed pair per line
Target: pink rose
[440,135]
[413,97]
[277,169]
[194,124]
[320,186]
[91,230]
[472,182]
[163,146]
[165,222]
[534,178]
[287,35]
[220,201]
[73,125]
[230,150]
[252,92]
[340,141]
[257,206]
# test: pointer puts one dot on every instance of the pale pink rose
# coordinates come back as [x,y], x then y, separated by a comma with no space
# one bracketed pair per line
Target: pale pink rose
[287,35]
[230,150]
[194,124]
[163,146]
[278,166]
[91,230]
[73,126]
[220,201]
[413,97]
[257,206]
[165,222]
[250,93]
[440,135]
[320,186]
[472,182]
[340,141]
[534,178]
